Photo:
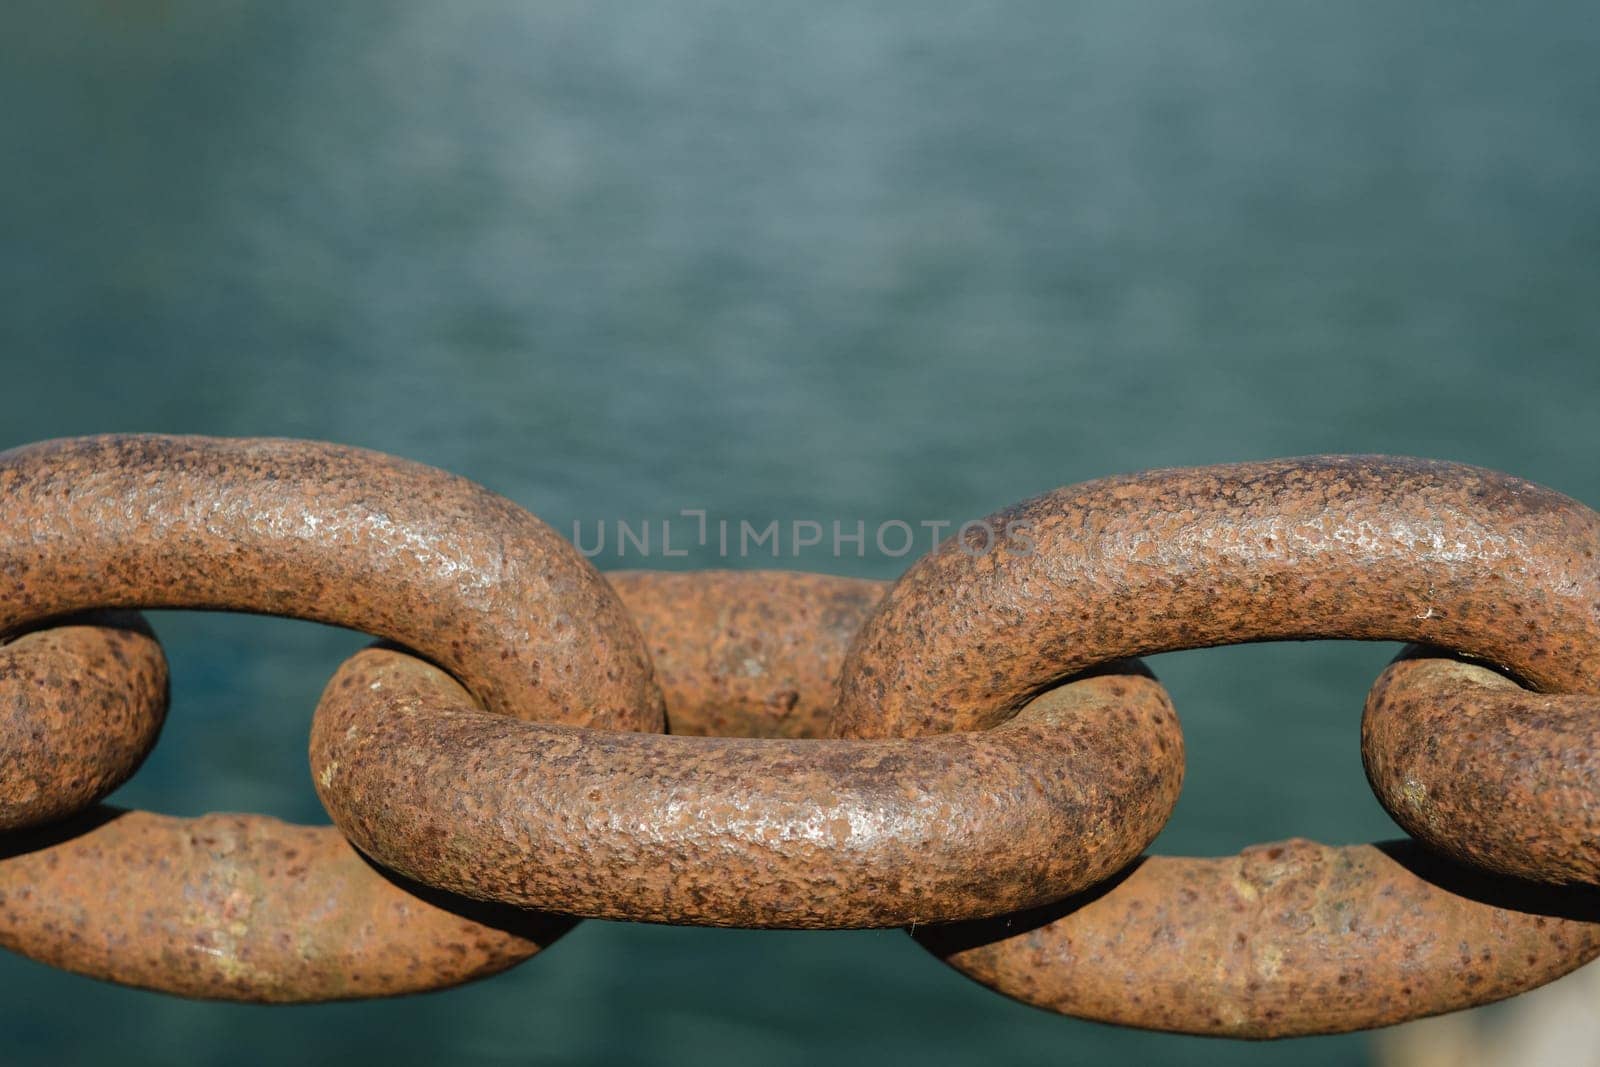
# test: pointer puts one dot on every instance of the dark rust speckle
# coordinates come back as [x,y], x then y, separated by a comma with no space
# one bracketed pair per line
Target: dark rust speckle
[65,746]
[1484,770]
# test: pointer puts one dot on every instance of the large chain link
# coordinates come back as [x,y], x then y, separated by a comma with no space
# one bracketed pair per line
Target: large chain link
[972,752]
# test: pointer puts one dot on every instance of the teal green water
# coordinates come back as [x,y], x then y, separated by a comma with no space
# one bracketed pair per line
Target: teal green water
[788,261]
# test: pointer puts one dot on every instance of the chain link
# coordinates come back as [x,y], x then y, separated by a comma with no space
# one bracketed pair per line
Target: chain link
[971,751]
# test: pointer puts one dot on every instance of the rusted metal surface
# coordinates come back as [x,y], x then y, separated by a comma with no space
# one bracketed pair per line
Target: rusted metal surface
[492,755]
[1486,771]
[81,706]
[747,653]
[1367,547]
[732,831]
[243,907]
[1285,939]
[334,534]
[1292,938]
[315,531]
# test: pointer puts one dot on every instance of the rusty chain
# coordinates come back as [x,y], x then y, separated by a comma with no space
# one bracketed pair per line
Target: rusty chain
[974,751]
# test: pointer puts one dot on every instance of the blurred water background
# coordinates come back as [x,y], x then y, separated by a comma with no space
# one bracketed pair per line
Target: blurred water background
[785,261]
